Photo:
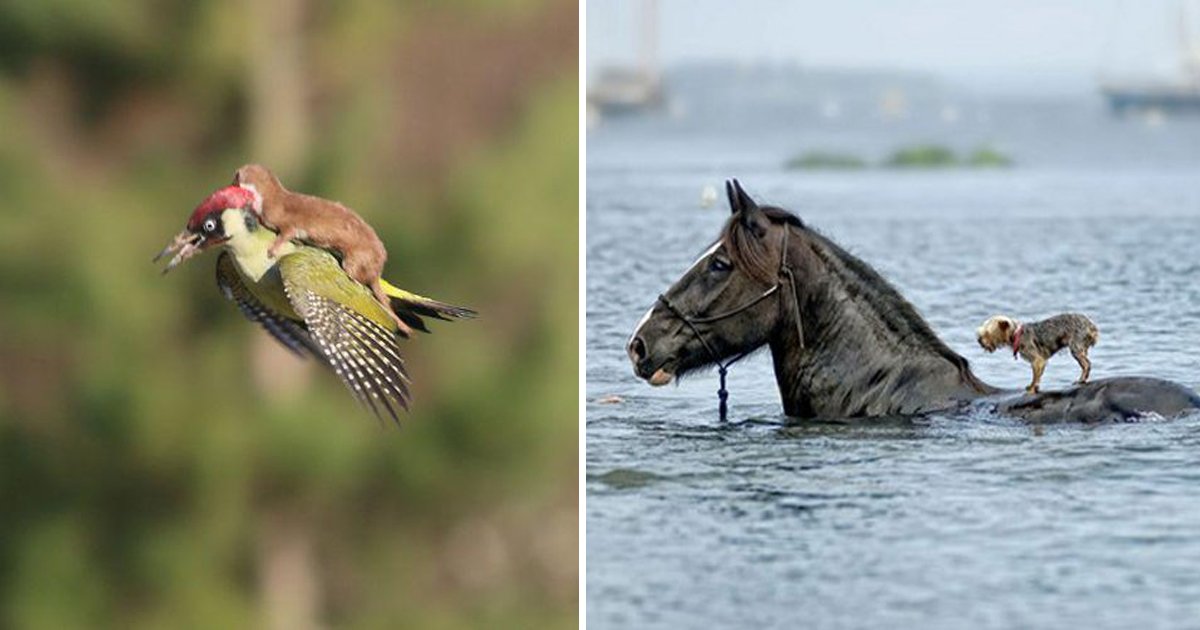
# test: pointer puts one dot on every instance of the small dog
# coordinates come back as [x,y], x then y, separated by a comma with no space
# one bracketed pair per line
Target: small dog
[1036,342]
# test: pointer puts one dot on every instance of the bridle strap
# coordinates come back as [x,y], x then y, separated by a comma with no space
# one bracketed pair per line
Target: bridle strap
[747,306]
[723,366]
[691,323]
[795,305]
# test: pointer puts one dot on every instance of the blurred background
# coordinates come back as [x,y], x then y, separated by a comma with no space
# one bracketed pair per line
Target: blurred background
[162,462]
[1028,157]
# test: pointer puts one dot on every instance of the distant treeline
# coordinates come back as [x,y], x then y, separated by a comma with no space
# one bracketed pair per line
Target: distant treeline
[920,156]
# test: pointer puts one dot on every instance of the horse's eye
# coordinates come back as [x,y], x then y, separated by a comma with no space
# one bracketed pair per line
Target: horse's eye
[719,264]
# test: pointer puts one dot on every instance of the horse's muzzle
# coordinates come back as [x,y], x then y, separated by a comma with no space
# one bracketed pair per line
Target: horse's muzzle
[637,354]
[636,350]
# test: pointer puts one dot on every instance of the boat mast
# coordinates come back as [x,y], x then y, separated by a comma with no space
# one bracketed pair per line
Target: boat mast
[1188,48]
[648,42]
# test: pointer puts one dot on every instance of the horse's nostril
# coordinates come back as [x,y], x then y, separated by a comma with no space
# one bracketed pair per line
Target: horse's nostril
[637,349]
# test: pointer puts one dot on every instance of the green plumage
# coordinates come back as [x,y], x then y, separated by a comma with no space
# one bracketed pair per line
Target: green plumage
[304,299]
[307,302]
[316,270]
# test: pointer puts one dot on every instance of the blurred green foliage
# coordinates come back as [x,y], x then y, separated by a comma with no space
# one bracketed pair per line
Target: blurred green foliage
[922,156]
[937,156]
[161,464]
[813,160]
[988,157]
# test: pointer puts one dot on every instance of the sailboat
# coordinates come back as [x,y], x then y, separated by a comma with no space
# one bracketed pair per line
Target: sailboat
[631,90]
[1180,95]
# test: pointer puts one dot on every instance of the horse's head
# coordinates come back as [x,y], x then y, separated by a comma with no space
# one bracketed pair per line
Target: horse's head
[725,305]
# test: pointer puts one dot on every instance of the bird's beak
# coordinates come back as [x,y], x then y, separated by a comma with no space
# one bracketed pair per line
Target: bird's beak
[185,245]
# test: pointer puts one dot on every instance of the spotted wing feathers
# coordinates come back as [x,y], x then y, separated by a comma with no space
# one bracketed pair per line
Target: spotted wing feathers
[360,351]
[288,332]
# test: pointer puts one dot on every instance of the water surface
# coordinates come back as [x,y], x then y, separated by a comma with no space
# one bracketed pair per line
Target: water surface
[947,521]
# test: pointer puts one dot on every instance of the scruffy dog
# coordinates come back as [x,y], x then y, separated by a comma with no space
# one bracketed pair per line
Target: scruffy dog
[1036,342]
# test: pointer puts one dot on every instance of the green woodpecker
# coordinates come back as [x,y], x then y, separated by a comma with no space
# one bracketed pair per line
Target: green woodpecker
[321,222]
[304,298]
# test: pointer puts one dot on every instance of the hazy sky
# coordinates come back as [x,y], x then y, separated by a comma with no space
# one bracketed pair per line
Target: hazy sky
[1006,44]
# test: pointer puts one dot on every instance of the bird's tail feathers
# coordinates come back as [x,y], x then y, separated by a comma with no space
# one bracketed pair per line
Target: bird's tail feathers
[424,306]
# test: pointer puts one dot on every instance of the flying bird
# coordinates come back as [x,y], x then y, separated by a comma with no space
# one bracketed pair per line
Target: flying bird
[303,297]
[321,222]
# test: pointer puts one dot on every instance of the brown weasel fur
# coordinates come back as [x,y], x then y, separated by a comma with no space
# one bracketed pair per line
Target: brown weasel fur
[321,222]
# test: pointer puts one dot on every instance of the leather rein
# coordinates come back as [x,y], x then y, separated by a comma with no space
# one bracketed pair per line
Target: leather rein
[693,322]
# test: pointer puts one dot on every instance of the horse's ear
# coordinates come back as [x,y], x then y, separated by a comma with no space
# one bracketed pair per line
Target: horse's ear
[738,199]
[745,201]
[745,208]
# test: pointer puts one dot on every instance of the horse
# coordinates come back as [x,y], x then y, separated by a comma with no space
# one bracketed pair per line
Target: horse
[844,342]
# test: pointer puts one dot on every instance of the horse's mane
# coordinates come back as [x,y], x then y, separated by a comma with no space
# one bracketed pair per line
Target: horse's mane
[749,251]
[747,248]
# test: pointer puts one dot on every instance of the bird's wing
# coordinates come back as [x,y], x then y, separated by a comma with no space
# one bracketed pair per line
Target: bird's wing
[411,307]
[287,331]
[361,350]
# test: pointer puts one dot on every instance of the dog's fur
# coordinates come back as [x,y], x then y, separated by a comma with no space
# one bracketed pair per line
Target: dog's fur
[1040,340]
[321,222]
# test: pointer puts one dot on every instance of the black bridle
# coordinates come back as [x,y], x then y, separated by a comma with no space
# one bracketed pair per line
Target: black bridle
[692,322]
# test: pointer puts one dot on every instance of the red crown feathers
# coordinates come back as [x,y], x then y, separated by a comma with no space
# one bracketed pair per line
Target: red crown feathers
[223,199]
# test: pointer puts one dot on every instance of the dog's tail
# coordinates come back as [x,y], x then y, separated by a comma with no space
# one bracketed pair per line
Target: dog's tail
[1093,334]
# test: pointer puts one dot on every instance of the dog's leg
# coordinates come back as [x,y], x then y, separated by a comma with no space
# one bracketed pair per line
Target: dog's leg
[1081,358]
[1039,366]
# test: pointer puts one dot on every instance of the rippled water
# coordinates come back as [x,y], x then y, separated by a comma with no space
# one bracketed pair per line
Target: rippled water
[945,521]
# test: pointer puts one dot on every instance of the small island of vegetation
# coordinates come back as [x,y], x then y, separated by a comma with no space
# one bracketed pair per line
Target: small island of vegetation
[919,156]
[826,160]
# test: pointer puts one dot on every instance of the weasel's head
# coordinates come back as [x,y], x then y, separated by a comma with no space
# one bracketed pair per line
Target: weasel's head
[257,179]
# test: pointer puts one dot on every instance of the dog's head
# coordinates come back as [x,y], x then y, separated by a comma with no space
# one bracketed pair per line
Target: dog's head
[996,332]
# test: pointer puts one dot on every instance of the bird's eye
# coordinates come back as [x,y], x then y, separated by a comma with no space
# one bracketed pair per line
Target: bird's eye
[210,226]
[716,263]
